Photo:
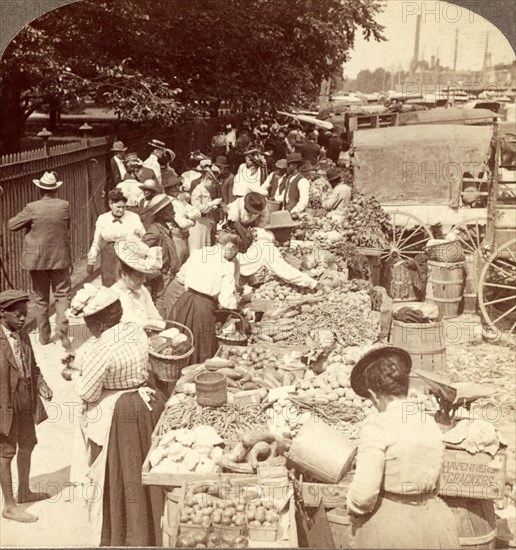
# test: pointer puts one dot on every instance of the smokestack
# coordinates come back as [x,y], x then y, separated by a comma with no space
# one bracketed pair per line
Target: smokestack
[416,44]
[456,49]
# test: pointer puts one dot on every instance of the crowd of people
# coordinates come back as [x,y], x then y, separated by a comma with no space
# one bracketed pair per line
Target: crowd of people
[170,247]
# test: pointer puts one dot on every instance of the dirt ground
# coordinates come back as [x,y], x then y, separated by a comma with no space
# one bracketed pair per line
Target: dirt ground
[63,518]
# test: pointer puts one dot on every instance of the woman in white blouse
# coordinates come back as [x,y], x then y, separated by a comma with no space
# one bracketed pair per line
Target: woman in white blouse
[201,233]
[136,261]
[109,228]
[393,497]
[209,278]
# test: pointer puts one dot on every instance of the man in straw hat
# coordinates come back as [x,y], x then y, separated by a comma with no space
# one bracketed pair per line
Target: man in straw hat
[264,256]
[47,254]
[21,388]
[340,195]
[118,169]
[158,150]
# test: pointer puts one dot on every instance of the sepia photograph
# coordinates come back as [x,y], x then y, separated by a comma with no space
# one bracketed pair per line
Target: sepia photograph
[258,274]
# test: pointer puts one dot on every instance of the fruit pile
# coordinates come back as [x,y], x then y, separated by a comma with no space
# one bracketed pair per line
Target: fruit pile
[274,289]
[229,514]
[197,510]
[262,514]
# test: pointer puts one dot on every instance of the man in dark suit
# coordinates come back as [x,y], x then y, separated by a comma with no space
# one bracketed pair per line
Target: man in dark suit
[335,146]
[118,170]
[21,388]
[310,150]
[47,254]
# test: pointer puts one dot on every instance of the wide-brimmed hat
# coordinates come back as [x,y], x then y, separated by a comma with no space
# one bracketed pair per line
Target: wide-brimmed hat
[281,164]
[138,256]
[157,144]
[118,147]
[48,181]
[90,300]
[281,220]
[152,185]
[222,162]
[294,157]
[12,296]
[158,202]
[357,378]
[254,202]
[333,174]
[132,158]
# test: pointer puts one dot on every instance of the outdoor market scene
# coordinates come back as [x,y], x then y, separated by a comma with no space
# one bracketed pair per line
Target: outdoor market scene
[266,323]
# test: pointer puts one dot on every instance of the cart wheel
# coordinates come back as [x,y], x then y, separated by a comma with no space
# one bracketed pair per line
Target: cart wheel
[497,296]
[471,234]
[407,236]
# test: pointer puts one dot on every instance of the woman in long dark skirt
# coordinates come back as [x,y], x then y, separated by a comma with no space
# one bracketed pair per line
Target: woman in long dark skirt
[209,279]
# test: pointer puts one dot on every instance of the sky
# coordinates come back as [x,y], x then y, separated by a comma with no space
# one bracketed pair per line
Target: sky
[439,21]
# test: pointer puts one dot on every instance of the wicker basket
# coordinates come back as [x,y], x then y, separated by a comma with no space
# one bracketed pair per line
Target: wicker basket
[229,341]
[167,368]
[450,251]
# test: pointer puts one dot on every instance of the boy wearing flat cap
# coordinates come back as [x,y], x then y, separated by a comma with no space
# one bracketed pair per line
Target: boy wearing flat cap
[21,388]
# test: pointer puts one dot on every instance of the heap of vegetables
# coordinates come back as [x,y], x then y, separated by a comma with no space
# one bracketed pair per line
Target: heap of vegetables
[196,450]
[348,314]
[170,342]
[363,223]
[253,449]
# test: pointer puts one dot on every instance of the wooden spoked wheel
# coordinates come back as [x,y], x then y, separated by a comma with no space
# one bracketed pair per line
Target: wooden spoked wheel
[471,234]
[407,236]
[497,291]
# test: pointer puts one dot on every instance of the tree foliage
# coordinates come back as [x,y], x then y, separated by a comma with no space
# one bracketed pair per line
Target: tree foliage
[159,59]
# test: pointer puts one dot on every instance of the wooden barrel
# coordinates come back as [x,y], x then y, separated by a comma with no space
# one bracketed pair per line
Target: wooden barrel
[401,288]
[476,521]
[473,265]
[423,341]
[374,260]
[445,287]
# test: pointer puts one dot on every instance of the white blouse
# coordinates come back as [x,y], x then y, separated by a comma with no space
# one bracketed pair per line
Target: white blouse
[137,306]
[208,272]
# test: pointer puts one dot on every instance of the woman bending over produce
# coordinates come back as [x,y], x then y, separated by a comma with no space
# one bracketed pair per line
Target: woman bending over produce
[209,277]
[393,497]
[264,256]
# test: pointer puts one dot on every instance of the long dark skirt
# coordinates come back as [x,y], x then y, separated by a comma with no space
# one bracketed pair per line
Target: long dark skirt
[132,512]
[108,264]
[197,312]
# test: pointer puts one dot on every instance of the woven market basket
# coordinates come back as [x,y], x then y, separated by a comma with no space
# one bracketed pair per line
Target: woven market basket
[449,252]
[167,368]
[227,340]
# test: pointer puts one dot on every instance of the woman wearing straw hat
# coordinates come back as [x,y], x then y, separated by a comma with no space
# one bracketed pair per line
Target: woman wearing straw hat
[137,261]
[251,175]
[47,253]
[150,189]
[393,497]
[209,281]
[119,413]
[109,228]
[160,234]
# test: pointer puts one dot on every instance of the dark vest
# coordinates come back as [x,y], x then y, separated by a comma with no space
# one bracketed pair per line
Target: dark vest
[292,194]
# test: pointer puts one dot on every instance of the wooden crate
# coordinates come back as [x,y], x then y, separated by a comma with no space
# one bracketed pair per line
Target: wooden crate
[332,495]
[472,476]
[173,505]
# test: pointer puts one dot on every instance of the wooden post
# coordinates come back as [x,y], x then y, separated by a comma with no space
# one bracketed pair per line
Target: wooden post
[492,197]
[44,135]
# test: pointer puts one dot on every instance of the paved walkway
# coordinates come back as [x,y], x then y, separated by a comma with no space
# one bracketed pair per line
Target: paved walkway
[63,518]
